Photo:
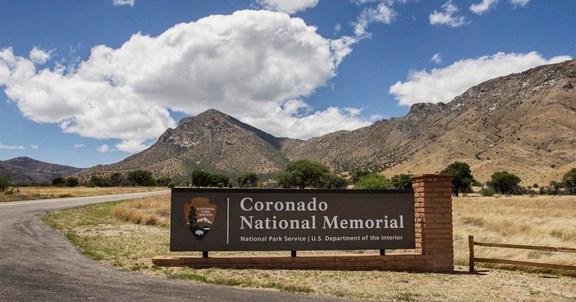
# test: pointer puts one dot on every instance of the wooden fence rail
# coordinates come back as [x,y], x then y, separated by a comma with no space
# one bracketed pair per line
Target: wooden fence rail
[473,259]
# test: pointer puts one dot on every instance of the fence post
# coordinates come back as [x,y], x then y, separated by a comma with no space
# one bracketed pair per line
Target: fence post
[471,248]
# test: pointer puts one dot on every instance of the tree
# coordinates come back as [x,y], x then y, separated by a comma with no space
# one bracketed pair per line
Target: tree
[461,176]
[401,181]
[117,179]
[302,174]
[219,180]
[72,181]
[141,178]
[569,180]
[5,182]
[504,182]
[373,182]
[59,181]
[333,181]
[358,174]
[200,178]
[249,179]
[164,181]
[99,181]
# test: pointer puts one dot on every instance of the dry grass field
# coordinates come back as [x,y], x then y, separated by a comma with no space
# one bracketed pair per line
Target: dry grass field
[120,234]
[30,193]
[528,220]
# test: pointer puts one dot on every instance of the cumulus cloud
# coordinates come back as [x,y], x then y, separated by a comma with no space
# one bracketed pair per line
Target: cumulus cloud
[6,147]
[287,6]
[437,58]
[123,2]
[382,13]
[39,56]
[249,65]
[296,119]
[443,84]
[447,16]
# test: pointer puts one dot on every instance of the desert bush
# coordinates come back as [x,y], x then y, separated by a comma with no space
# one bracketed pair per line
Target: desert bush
[373,182]
[249,179]
[141,178]
[569,180]
[401,181]
[487,192]
[59,181]
[5,182]
[72,181]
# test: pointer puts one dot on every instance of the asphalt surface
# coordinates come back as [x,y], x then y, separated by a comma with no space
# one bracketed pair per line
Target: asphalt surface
[39,264]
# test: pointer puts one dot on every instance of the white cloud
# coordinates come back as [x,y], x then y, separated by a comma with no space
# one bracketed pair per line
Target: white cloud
[446,16]
[34,147]
[103,148]
[247,64]
[39,56]
[294,119]
[519,2]
[123,2]
[483,6]
[287,6]
[337,28]
[382,13]
[77,146]
[442,85]
[486,5]
[6,147]
[437,58]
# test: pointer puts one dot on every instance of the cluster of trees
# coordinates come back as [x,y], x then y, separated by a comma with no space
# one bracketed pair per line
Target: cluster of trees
[310,174]
[503,182]
[366,180]
[138,177]
[303,174]
[202,178]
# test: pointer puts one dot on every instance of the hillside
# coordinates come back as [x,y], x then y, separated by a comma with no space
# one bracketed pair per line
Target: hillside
[26,171]
[211,141]
[524,123]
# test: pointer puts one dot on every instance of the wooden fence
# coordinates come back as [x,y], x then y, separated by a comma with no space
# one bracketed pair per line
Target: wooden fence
[473,259]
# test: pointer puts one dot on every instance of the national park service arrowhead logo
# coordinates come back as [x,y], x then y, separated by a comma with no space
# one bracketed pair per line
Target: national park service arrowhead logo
[200,216]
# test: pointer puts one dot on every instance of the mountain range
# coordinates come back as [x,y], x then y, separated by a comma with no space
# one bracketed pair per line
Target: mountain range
[524,123]
[27,171]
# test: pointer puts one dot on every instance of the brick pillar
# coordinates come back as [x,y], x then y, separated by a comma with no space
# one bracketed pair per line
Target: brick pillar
[433,218]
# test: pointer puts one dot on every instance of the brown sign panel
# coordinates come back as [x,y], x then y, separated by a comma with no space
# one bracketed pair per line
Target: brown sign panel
[265,220]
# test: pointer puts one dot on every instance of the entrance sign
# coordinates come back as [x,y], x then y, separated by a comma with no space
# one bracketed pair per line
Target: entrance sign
[265,220]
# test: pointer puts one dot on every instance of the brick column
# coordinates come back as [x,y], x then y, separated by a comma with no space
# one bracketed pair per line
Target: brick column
[433,218]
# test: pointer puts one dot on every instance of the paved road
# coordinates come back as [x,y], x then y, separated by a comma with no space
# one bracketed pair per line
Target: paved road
[39,264]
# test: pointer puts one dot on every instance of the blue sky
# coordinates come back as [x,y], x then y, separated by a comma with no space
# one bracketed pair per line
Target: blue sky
[91,82]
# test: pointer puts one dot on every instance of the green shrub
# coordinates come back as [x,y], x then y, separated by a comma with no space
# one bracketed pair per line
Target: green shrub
[487,192]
